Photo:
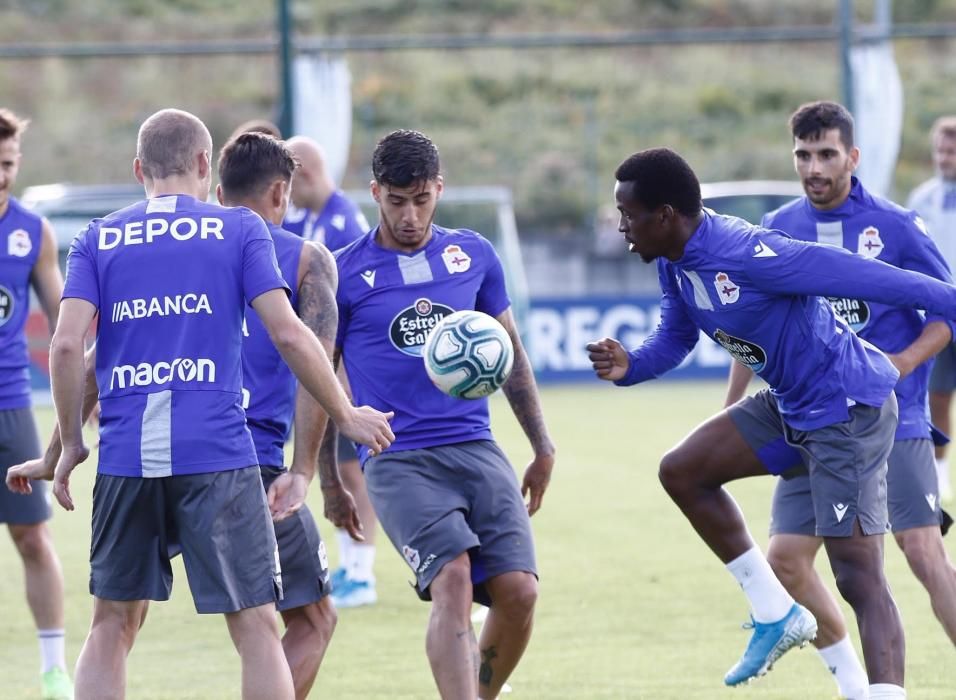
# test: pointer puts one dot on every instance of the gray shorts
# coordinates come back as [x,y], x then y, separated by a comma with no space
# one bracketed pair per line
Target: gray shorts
[18,443]
[847,461]
[220,521]
[302,556]
[942,378]
[436,503]
[911,493]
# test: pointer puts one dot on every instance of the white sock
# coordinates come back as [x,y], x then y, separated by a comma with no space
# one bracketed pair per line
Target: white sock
[886,691]
[846,668]
[345,548]
[769,600]
[362,562]
[51,649]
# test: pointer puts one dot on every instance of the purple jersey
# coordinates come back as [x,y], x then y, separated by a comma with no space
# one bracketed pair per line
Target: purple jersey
[21,233]
[268,385]
[171,277]
[339,223]
[754,291]
[388,301]
[876,228]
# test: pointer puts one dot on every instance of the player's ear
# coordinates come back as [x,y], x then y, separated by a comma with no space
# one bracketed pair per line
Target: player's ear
[440,182]
[278,193]
[854,157]
[376,191]
[203,165]
[138,171]
[219,195]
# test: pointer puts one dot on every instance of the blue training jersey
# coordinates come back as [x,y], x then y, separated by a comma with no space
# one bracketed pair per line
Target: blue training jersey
[754,291]
[268,384]
[339,223]
[876,228]
[171,277]
[388,302]
[21,234]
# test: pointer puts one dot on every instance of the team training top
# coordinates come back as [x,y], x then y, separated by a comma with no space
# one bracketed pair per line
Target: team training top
[935,200]
[750,289]
[21,233]
[268,385]
[388,301]
[876,228]
[339,223]
[171,277]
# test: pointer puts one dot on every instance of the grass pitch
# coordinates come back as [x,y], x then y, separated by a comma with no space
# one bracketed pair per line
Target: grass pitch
[632,604]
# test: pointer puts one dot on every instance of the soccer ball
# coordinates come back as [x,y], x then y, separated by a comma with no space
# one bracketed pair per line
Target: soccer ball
[468,355]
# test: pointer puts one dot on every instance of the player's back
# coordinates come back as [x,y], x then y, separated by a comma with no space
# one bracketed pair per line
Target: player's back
[171,276]
[20,240]
[268,385]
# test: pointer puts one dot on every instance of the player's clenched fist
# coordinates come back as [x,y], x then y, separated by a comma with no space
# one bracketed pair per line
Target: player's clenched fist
[368,426]
[608,358]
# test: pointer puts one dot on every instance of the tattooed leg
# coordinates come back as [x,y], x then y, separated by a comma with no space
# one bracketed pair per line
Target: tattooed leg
[507,629]
[450,642]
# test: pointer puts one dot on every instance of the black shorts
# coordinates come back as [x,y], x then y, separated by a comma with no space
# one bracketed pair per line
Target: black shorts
[19,442]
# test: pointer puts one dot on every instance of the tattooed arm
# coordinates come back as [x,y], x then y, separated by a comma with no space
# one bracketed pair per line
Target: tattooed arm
[522,394]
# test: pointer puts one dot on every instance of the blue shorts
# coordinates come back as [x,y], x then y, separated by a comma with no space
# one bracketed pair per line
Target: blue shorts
[19,442]
[220,521]
[439,502]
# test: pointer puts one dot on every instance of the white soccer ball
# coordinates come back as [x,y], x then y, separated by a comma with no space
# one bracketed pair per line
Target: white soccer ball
[468,355]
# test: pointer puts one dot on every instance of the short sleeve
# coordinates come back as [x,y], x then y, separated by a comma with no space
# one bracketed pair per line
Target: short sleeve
[492,296]
[260,269]
[81,279]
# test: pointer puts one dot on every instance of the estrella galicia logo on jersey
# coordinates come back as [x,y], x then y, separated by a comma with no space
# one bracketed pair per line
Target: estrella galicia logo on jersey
[869,242]
[743,351]
[6,305]
[18,244]
[150,374]
[855,312]
[412,325]
[727,291]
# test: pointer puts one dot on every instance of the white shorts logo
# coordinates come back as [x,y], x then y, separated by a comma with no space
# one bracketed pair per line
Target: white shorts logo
[159,373]
[411,556]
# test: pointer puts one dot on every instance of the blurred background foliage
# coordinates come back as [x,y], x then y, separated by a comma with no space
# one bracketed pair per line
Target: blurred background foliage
[551,123]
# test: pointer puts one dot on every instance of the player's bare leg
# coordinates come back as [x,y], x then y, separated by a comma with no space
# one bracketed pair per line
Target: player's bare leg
[507,629]
[42,573]
[923,547]
[450,641]
[101,666]
[940,409]
[791,557]
[265,672]
[693,474]
[308,630]
[857,563]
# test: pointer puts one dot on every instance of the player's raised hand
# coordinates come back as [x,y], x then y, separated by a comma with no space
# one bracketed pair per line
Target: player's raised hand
[20,476]
[69,459]
[369,427]
[536,479]
[608,358]
[340,510]
[287,494]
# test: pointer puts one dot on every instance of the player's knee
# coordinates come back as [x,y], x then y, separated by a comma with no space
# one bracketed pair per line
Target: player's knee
[519,598]
[117,621]
[673,473]
[919,553]
[32,541]
[790,569]
[856,586]
[453,581]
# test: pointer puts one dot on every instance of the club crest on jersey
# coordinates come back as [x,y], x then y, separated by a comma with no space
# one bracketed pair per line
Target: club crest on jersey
[727,291]
[855,312]
[6,305]
[743,351]
[411,325]
[18,244]
[869,243]
[456,260]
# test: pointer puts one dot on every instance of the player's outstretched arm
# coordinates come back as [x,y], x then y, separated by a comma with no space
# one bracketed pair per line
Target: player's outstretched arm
[522,393]
[303,353]
[68,380]
[20,475]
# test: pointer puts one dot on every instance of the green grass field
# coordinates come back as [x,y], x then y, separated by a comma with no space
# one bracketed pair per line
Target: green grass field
[632,604]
